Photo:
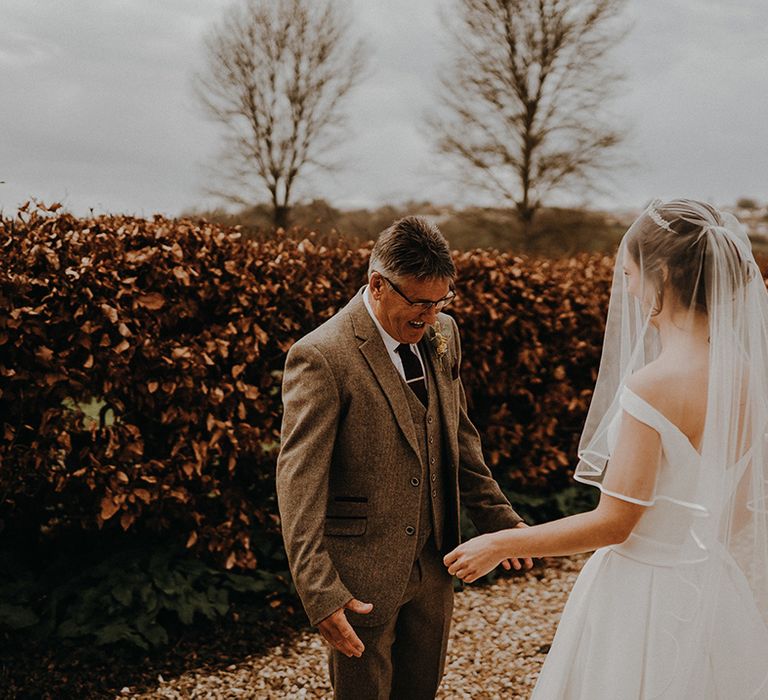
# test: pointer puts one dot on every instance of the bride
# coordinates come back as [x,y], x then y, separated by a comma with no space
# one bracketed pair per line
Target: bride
[674,602]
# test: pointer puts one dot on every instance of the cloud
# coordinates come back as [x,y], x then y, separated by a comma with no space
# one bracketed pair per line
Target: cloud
[98,107]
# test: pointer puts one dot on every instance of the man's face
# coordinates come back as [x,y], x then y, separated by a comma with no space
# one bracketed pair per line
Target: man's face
[406,323]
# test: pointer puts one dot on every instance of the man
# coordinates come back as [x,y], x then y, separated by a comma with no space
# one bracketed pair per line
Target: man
[377,451]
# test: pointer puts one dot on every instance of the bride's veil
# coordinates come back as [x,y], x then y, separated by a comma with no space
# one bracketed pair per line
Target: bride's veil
[699,260]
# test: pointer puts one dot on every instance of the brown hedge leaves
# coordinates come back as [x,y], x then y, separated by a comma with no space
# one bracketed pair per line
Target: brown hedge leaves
[141,362]
[534,330]
[140,370]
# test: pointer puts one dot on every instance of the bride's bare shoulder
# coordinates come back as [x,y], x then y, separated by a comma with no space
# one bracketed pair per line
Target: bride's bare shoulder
[670,388]
[652,382]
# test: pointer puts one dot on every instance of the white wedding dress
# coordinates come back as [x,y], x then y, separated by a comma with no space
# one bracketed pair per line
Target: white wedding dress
[627,630]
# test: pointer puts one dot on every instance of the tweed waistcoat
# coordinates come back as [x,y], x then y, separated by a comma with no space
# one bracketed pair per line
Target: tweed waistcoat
[429,436]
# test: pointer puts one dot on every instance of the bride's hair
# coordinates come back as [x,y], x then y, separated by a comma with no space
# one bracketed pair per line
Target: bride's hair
[668,242]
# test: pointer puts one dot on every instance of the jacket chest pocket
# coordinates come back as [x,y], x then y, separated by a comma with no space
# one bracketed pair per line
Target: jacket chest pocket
[347,516]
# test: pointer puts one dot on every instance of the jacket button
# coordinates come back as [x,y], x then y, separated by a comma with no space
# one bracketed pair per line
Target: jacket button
[410,530]
[415,481]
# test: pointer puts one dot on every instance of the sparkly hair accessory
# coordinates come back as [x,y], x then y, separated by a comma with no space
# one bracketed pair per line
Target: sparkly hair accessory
[657,218]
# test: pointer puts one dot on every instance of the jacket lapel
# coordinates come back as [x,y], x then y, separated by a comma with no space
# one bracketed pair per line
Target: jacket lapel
[373,349]
[444,392]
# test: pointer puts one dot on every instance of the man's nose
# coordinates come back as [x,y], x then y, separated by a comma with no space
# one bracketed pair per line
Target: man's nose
[429,316]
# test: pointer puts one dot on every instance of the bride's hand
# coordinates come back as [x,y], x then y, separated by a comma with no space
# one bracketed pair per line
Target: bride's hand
[475,558]
[515,563]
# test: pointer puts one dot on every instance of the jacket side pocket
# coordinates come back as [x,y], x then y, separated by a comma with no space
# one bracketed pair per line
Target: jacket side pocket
[347,517]
[345,526]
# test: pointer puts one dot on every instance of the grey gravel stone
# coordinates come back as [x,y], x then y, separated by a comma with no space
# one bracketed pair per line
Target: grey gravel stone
[499,639]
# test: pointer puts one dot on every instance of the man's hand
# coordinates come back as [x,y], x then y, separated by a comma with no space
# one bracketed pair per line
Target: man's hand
[515,563]
[339,633]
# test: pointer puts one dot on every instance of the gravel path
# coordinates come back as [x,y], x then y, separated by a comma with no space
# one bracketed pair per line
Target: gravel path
[500,636]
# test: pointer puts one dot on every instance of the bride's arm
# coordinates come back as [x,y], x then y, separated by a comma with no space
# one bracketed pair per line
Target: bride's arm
[634,463]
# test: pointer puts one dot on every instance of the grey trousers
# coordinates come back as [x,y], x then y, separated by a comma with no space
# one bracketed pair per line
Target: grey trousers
[404,658]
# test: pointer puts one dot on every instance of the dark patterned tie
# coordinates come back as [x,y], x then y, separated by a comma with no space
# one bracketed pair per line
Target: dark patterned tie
[414,374]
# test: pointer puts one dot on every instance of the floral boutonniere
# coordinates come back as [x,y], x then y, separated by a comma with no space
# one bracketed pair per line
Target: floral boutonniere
[440,337]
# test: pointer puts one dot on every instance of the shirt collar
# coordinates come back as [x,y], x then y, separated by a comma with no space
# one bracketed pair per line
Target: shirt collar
[390,343]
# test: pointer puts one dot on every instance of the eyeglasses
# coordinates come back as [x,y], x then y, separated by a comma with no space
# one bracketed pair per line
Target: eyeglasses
[439,305]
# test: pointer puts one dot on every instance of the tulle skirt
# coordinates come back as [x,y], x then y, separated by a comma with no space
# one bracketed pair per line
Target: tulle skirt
[628,632]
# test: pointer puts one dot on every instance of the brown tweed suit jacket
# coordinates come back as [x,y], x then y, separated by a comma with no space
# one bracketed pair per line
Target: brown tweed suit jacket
[348,454]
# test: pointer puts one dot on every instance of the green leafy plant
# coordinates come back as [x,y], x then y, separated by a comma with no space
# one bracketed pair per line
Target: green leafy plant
[131,597]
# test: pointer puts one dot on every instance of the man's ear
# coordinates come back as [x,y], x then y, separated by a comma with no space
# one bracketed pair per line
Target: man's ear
[376,284]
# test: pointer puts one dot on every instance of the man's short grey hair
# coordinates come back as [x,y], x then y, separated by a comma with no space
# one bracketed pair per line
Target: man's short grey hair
[412,247]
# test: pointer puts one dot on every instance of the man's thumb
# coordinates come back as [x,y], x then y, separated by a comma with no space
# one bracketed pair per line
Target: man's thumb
[359,607]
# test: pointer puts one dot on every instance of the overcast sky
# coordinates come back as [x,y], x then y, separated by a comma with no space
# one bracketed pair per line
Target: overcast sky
[97,110]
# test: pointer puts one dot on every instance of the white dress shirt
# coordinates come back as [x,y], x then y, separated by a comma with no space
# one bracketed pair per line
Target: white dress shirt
[389,342]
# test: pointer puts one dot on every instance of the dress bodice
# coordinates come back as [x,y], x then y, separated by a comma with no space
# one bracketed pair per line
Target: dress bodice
[664,533]
[660,615]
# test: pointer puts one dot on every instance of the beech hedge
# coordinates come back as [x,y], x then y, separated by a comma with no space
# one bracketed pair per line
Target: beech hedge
[140,370]
[141,363]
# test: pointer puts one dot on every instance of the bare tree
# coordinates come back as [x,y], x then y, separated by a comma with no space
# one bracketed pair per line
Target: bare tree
[276,76]
[522,105]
